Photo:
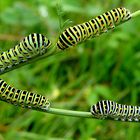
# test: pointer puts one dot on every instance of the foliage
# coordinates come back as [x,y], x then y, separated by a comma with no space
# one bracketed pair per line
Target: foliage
[106,67]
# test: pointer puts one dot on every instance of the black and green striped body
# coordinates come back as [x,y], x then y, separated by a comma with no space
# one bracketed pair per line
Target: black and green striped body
[111,109]
[22,98]
[31,46]
[101,24]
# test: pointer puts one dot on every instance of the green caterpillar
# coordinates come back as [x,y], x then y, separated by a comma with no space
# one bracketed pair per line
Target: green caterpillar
[31,46]
[101,24]
[22,98]
[111,109]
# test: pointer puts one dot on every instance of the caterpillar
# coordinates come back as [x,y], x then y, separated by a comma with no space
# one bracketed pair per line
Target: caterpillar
[22,98]
[110,109]
[33,45]
[94,27]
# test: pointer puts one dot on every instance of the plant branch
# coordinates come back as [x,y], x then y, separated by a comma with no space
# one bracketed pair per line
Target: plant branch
[135,14]
[70,113]
[81,114]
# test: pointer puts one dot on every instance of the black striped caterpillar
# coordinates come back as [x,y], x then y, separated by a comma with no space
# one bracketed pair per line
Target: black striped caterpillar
[22,98]
[31,46]
[110,109]
[101,24]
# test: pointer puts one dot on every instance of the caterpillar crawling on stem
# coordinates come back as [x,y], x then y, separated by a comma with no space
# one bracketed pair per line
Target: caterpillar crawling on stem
[110,109]
[22,98]
[30,47]
[101,24]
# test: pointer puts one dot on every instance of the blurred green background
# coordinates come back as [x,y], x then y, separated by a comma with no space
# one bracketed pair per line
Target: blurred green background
[107,67]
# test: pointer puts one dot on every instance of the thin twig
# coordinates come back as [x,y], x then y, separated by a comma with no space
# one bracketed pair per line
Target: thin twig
[70,113]
[81,114]
[135,14]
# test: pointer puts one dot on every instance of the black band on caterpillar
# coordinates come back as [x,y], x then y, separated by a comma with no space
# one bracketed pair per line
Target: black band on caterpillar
[110,109]
[101,24]
[31,46]
[22,98]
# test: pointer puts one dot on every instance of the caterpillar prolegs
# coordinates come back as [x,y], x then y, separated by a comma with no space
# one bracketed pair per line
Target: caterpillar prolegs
[110,109]
[22,98]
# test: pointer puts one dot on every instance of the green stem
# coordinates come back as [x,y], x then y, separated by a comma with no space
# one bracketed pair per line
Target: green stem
[70,113]
[81,114]
[135,14]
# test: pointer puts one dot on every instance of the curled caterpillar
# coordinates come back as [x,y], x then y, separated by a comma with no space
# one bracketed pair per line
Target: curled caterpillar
[110,109]
[101,24]
[22,98]
[31,46]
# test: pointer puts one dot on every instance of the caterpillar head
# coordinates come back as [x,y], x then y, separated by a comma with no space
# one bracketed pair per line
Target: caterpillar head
[126,14]
[68,38]
[44,44]
[95,110]
[44,103]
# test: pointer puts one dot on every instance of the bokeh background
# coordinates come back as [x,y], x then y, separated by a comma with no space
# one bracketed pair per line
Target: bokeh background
[107,67]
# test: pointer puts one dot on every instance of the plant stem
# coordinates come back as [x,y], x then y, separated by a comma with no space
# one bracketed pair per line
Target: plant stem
[70,113]
[81,114]
[135,14]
